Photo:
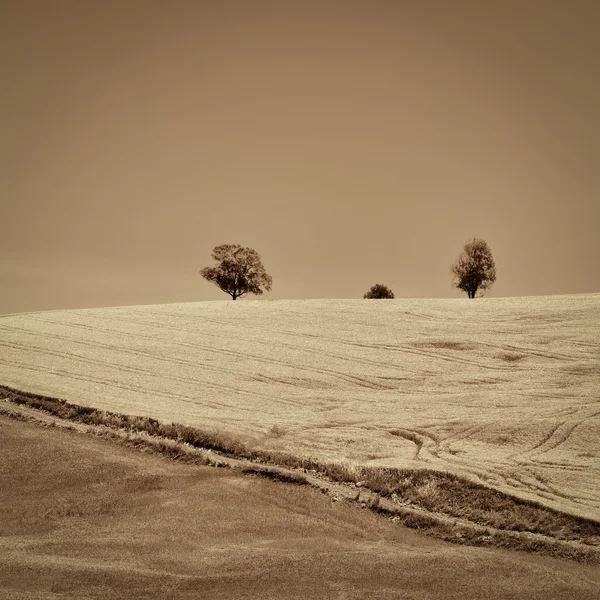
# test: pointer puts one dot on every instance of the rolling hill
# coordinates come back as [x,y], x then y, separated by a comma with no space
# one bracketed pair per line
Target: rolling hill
[504,391]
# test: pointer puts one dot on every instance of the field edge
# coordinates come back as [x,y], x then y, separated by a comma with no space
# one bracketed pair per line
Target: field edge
[417,499]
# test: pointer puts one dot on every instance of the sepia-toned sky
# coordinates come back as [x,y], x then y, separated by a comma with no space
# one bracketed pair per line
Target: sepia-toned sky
[349,142]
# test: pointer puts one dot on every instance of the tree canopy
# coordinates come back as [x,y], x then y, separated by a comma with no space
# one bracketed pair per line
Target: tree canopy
[239,271]
[379,291]
[475,268]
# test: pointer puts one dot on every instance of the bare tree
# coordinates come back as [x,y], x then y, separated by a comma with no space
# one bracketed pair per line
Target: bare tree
[474,269]
[379,291]
[239,271]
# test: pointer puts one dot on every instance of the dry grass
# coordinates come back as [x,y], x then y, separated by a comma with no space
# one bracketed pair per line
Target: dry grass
[496,390]
[437,493]
[85,518]
[278,431]
[275,474]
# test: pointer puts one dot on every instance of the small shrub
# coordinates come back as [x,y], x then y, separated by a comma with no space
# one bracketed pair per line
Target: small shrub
[379,292]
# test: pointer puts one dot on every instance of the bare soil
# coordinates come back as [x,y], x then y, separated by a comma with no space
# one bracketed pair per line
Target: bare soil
[83,517]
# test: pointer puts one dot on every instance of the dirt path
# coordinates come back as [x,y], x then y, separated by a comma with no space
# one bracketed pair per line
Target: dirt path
[81,517]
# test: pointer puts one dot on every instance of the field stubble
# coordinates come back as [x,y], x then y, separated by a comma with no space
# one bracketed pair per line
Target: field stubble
[500,392]
[84,517]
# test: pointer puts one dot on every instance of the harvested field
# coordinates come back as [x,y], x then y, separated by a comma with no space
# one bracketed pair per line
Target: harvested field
[504,392]
[82,517]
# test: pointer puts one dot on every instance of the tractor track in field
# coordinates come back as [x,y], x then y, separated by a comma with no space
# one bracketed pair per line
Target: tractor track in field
[348,378]
[508,399]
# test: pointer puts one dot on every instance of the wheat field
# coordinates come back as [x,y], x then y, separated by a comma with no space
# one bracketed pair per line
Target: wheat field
[505,391]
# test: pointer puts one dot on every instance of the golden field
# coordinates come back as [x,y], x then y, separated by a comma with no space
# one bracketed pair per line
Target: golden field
[505,391]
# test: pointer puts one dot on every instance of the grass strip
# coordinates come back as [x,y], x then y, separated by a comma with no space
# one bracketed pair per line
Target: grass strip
[494,517]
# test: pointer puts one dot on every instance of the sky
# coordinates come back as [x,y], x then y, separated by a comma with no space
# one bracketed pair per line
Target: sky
[348,142]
